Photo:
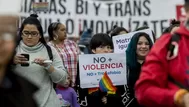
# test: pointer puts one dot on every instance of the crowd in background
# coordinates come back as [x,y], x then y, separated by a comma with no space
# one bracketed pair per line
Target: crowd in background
[157,69]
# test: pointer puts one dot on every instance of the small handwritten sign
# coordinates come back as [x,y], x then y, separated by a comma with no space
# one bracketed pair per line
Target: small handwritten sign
[121,42]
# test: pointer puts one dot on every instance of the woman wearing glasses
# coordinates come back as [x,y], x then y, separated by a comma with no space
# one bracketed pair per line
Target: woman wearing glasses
[32,61]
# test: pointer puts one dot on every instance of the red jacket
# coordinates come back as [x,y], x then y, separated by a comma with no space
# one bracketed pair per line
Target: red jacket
[153,89]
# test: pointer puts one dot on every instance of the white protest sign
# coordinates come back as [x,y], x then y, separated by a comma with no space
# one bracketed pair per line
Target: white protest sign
[121,42]
[93,66]
[10,7]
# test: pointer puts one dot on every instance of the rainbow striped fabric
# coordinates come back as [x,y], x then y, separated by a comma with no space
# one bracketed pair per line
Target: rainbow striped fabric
[92,90]
[40,6]
[106,84]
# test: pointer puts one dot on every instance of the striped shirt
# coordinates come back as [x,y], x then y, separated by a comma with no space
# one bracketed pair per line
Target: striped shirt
[69,52]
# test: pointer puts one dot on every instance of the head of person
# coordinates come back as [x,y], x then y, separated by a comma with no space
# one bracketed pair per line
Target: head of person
[67,83]
[174,26]
[144,28]
[57,32]
[118,31]
[31,32]
[101,43]
[138,48]
[8,33]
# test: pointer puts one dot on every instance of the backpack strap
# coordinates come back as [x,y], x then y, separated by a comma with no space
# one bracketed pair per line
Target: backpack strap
[49,50]
[172,53]
[173,47]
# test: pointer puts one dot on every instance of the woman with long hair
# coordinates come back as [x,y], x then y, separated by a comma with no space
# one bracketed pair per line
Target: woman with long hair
[136,52]
[38,62]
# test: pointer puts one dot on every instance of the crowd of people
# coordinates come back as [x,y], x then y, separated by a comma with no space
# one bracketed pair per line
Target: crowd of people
[36,71]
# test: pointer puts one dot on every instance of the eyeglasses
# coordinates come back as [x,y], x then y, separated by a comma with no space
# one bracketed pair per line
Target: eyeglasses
[7,37]
[28,33]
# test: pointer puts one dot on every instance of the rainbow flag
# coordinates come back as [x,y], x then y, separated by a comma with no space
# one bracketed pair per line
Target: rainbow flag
[91,90]
[106,84]
[40,6]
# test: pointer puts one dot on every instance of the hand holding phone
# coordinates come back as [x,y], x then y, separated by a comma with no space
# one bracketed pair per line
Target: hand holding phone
[21,59]
[27,57]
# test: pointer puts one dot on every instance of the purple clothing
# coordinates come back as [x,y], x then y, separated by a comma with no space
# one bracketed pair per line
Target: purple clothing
[69,95]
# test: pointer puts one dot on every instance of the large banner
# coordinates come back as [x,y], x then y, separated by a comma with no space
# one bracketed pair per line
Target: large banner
[93,66]
[101,15]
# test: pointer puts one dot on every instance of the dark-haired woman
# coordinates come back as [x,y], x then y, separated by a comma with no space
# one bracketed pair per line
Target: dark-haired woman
[67,49]
[136,52]
[33,66]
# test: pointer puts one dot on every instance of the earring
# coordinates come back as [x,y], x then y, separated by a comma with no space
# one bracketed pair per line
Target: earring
[56,37]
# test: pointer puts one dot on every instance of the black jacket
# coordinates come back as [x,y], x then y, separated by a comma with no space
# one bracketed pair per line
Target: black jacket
[16,91]
[133,76]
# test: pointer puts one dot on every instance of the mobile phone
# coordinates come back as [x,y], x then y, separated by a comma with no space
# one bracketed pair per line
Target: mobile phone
[27,56]
[48,62]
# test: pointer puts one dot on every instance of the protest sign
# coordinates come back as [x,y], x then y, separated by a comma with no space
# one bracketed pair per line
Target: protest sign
[121,41]
[93,66]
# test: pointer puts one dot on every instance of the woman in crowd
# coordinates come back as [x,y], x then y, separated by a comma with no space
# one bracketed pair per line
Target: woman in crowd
[30,62]
[136,52]
[67,49]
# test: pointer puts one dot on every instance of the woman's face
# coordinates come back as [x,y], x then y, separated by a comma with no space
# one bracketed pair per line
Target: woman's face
[61,32]
[102,49]
[143,47]
[7,39]
[30,35]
